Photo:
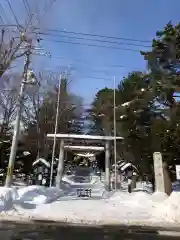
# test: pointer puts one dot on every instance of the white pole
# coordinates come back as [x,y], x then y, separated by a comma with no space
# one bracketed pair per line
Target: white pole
[115,160]
[12,156]
[60,164]
[55,131]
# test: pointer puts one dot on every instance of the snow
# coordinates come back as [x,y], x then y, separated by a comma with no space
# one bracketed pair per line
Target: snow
[7,197]
[38,202]
[169,209]
[38,195]
[119,207]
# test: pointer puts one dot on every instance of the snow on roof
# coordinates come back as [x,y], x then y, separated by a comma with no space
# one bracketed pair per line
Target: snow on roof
[127,165]
[42,160]
[122,165]
[26,153]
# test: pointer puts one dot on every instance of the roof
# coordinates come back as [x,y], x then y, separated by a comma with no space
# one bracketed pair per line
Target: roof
[42,160]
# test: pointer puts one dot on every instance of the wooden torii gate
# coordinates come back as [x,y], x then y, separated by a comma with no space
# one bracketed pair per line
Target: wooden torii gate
[64,137]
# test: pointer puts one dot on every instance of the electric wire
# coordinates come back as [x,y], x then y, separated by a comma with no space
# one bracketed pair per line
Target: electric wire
[14,15]
[84,34]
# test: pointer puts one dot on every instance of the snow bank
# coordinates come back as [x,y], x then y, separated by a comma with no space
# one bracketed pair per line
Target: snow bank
[159,197]
[169,210]
[114,207]
[66,186]
[120,207]
[39,195]
[7,197]
[25,190]
[134,196]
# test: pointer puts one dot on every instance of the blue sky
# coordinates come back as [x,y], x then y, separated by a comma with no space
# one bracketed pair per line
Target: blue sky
[138,19]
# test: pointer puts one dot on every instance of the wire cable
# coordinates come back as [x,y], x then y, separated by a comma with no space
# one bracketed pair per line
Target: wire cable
[87,63]
[26,5]
[14,15]
[92,45]
[46,9]
[96,40]
[96,35]
[85,34]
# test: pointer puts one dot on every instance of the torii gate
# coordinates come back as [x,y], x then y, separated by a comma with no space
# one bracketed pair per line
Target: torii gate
[63,137]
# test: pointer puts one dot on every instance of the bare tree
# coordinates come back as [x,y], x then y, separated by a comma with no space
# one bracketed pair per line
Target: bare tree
[8,96]
[9,51]
[40,110]
[13,39]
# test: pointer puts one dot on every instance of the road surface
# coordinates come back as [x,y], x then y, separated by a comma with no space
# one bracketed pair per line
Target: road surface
[55,231]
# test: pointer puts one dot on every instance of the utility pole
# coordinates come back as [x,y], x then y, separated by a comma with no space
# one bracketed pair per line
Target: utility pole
[38,127]
[17,121]
[115,160]
[55,131]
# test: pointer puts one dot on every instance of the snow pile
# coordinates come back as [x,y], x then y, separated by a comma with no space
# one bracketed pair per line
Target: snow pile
[141,196]
[65,186]
[169,210]
[143,186]
[7,197]
[23,191]
[113,207]
[120,207]
[159,197]
[135,197]
[39,195]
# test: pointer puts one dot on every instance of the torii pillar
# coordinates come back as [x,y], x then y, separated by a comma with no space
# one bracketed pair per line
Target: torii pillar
[60,164]
[107,165]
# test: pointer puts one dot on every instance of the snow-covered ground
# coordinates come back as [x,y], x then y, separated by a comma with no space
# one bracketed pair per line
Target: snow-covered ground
[141,207]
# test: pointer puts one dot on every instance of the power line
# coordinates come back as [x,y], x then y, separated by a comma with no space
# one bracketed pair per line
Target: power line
[93,45]
[46,9]
[3,13]
[96,40]
[107,72]
[87,63]
[93,77]
[13,13]
[86,34]
[96,35]
[26,5]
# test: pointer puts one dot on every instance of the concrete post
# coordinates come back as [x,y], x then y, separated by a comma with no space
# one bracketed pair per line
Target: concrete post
[107,165]
[60,165]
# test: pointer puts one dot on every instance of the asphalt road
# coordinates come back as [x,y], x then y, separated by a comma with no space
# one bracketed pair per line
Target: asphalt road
[55,231]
